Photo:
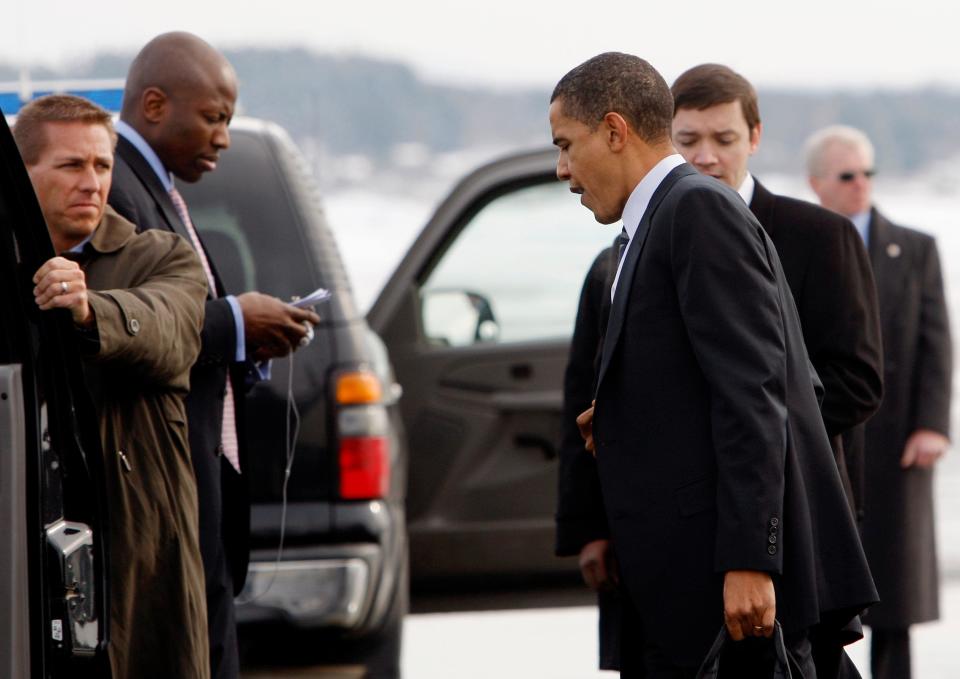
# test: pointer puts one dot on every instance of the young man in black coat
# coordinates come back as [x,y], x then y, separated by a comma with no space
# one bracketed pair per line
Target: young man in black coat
[911,431]
[716,473]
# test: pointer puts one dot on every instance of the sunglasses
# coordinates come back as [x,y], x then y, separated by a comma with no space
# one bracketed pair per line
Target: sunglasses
[850,176]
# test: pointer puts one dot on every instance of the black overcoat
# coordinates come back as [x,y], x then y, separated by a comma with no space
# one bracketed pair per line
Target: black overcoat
[829,273]
[898,530]
[711,451]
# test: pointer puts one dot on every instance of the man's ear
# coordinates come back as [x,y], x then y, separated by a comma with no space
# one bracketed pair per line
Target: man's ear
[616,130]
[154,104]
[755,135]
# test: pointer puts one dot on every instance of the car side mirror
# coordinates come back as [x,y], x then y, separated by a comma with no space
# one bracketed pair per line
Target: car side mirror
[458,318]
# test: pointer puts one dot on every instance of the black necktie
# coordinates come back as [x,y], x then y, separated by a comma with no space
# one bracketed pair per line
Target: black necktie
[622,241]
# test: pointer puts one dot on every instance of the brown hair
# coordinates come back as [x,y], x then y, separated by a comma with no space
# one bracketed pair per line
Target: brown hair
[29,131]
[708,85]
[621,83]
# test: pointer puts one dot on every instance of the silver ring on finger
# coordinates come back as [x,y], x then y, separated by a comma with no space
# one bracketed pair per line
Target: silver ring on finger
[64,286]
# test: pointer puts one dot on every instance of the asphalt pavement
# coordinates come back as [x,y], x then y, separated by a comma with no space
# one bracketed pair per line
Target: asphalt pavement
[561,643]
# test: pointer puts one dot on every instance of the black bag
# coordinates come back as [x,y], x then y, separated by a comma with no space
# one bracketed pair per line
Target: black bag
[710,669]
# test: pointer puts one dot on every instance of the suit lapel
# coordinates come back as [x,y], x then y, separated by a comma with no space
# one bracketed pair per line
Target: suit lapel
[761,205]
[141,168]
[624,284]
[886,254]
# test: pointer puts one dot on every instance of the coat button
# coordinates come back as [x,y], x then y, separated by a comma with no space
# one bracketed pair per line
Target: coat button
[774,522]
[772,539]
[771,550]
[133,325]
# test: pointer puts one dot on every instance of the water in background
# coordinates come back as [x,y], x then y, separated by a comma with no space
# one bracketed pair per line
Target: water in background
[375,229]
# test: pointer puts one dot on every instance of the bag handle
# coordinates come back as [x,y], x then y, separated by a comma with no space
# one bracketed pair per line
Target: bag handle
[710,668]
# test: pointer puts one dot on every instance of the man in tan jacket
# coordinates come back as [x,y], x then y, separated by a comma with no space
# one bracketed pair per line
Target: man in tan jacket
[137,303]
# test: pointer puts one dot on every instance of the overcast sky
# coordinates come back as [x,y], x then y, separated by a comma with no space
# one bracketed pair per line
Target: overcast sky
[812,43]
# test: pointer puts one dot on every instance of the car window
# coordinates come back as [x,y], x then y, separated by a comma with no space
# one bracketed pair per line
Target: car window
[245,217]
[515,270]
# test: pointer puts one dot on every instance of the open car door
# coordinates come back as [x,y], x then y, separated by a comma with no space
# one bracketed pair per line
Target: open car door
[53,593]
[478,319]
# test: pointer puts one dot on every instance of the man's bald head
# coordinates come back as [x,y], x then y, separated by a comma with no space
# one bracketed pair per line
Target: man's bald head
[177,63]
[180,96]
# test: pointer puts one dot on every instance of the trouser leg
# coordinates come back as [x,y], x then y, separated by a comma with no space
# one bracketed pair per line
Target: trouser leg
[890,653]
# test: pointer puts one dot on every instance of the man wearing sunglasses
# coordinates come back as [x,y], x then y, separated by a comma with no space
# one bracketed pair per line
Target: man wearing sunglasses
[910,432]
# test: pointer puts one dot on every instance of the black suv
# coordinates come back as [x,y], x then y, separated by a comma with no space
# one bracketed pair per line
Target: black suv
[477,318]
[52,577]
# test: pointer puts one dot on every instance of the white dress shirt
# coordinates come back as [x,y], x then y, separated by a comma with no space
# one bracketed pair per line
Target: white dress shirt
[639,200]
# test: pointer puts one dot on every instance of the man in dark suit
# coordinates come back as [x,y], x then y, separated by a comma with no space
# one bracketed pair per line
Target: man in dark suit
[910,432]
[723,500]
[178,101]
[716,127]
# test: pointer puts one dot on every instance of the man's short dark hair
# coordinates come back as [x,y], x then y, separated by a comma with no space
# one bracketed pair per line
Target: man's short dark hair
[29,131]
[709,85]
[621,83]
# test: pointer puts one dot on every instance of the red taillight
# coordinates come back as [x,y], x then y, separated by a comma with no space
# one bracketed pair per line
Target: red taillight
[364,467]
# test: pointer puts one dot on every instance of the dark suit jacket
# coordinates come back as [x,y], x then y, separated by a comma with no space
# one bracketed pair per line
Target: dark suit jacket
[711,450]
[580,518]
[138,195]
[830,277]
[832,284]
[898,530]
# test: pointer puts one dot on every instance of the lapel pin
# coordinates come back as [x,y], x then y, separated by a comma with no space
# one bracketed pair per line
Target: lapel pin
[893,250]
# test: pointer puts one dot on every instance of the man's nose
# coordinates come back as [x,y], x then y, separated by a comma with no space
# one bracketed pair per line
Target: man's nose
[563,170]
[704,156]
[221,137]
[90,180]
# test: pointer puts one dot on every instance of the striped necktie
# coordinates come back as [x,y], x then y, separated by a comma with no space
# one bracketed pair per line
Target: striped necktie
[228,432]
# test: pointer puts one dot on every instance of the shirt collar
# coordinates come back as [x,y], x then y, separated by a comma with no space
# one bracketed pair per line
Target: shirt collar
[861,221]
[132,136]
[78,248]
[640,198]
[746,188]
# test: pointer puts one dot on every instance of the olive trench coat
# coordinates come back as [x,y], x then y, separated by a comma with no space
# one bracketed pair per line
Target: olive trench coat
[148,306]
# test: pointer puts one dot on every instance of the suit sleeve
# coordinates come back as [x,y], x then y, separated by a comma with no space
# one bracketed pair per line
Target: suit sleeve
[842,329]
[729,299]
[580,513]
[934,366]
[154,328]
[218,344]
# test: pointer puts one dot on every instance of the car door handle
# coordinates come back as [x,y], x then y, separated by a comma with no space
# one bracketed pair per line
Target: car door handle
[513,401]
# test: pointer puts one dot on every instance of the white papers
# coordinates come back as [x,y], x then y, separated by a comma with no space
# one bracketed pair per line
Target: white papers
[318,295]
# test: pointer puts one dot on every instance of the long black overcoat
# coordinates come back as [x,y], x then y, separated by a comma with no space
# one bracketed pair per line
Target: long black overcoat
[898,529]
